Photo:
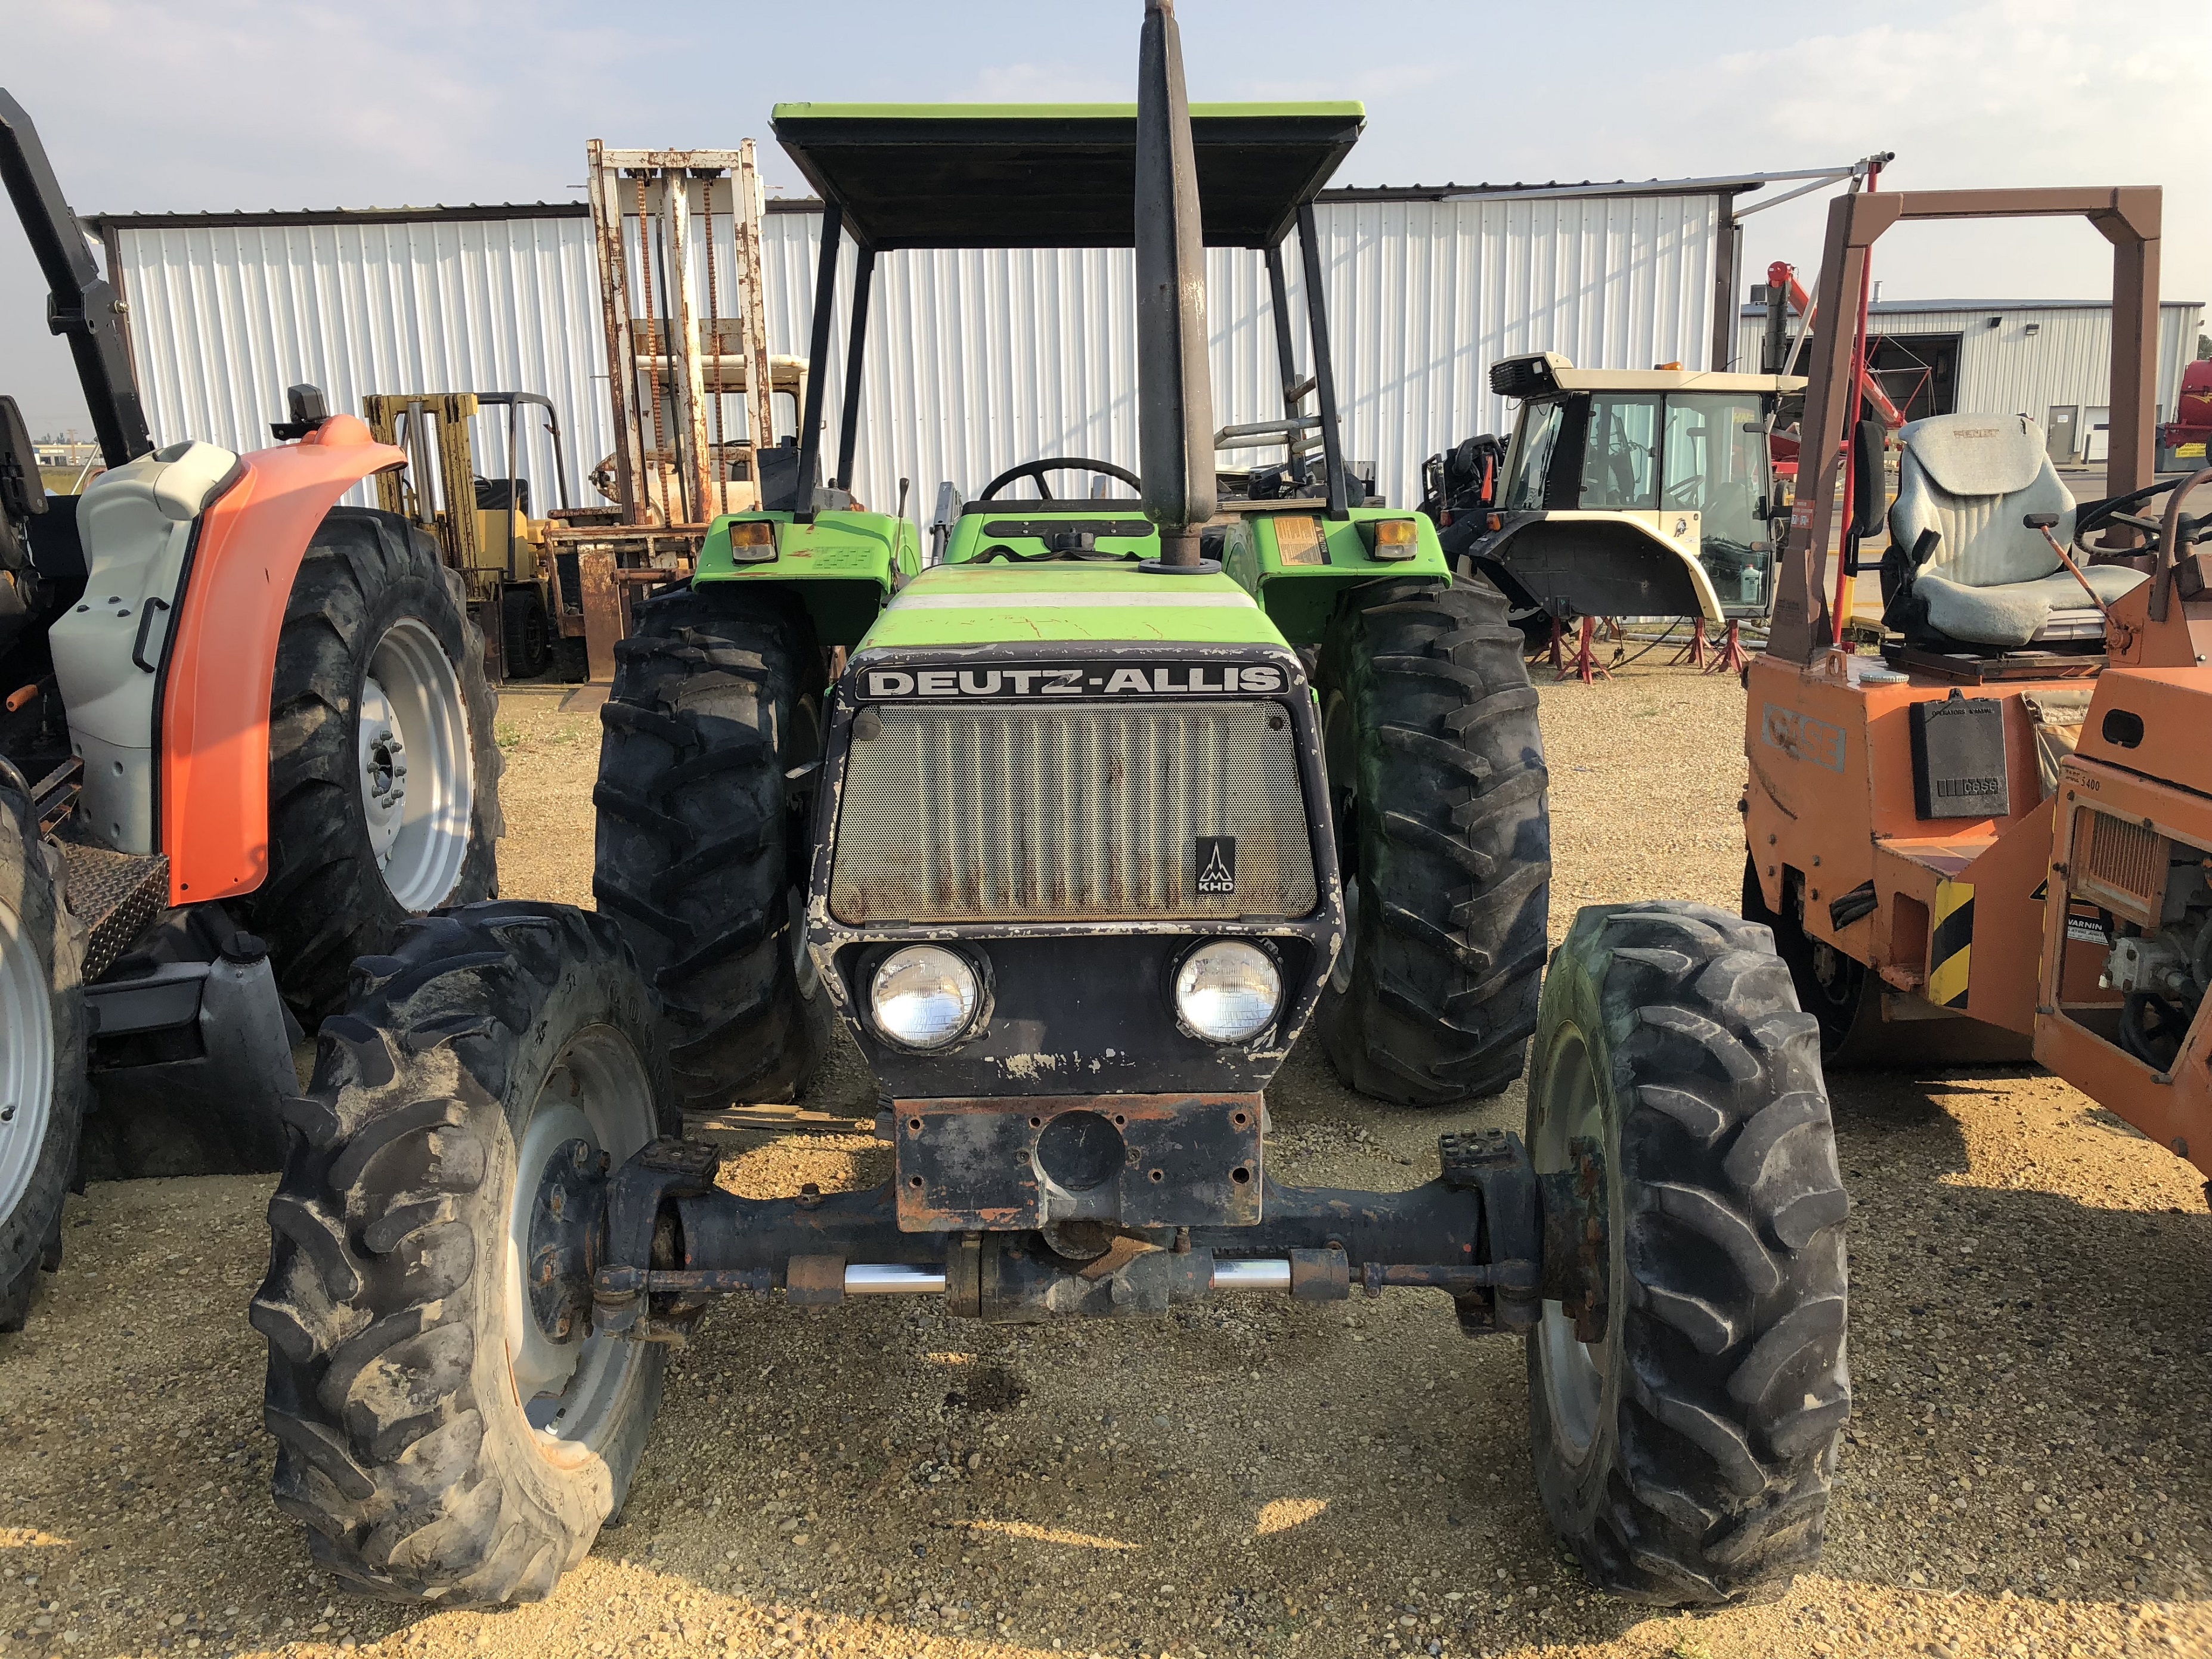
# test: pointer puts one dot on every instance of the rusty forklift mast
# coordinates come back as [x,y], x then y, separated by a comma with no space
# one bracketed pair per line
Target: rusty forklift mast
[677,235]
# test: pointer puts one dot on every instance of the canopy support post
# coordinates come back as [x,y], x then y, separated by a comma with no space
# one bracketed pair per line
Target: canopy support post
[848,424]
[1332,442]
[809,422]
[1279,300]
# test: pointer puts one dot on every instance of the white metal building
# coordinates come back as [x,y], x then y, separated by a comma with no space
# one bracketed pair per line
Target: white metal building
[2047,359]
[976,359]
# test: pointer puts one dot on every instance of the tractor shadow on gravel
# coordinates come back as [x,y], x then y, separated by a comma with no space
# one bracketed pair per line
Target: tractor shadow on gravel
[2020,1359]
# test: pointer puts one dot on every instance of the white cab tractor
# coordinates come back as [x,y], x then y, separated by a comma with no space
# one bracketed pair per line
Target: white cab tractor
[1633,493]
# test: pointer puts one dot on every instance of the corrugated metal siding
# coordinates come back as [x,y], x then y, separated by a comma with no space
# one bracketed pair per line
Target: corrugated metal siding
[976,359]
[2007,370]
[222,319]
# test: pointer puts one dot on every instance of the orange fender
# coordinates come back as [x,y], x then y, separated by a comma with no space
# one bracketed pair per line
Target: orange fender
[222,660]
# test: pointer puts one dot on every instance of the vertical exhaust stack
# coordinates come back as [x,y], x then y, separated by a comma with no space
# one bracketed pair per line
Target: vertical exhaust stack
[1174,390]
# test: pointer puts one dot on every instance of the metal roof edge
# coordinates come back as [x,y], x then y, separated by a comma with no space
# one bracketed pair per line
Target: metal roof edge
[248,218]
[1897,307]
[472,211]
[1457,192]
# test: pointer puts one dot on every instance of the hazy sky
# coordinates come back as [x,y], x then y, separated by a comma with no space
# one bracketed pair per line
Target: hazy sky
[224,104]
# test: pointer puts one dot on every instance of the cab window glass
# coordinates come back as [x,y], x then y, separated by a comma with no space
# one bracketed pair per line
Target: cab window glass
[1715,463]
[1534,439]
[1620,453]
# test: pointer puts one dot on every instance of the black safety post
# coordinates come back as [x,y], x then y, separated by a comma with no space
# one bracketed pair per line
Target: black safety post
[1332,445]
[1279,300]
[810,423]
[848,424]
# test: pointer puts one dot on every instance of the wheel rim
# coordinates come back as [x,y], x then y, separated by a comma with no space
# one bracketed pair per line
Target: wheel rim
[417,782]
[1574,1371]
[27,1060]
[570,1387]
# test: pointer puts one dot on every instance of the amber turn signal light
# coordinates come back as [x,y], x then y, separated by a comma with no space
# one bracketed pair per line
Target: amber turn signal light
[753,541]
[1390,539]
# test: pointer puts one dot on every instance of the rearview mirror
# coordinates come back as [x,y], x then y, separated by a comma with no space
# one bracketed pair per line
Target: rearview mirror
[1869,490]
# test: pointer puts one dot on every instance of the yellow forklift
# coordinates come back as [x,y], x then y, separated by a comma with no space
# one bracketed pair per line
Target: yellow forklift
[521,596]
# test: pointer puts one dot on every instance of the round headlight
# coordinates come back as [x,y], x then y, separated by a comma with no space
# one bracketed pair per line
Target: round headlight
[923,996]
[1227,991]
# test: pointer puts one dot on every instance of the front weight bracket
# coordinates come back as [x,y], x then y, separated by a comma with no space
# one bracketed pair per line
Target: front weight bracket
[1495,1163]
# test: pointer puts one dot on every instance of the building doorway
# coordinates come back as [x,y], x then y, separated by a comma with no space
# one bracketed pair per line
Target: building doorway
[1919,373]
[2058,433]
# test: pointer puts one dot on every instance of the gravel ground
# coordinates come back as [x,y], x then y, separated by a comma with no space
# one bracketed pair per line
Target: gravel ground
[2028,1473]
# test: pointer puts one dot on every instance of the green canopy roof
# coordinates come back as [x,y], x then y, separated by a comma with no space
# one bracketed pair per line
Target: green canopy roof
[1055,175]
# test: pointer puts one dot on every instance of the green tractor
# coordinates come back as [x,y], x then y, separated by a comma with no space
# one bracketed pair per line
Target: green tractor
[1094,819]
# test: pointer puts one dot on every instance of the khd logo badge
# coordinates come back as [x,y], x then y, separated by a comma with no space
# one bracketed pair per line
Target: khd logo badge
[1217,864]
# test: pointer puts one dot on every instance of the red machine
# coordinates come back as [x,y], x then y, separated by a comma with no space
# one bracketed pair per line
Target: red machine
[1782,280]
[2184,443]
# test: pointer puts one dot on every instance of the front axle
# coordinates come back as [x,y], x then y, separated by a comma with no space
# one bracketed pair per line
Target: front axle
[670,1239]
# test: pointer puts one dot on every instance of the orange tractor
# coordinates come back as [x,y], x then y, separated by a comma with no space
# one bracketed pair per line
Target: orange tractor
[244,735]
[1994,837]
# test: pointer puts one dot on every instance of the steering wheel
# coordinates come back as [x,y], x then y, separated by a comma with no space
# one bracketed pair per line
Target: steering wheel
[1058,464]
[2115,510]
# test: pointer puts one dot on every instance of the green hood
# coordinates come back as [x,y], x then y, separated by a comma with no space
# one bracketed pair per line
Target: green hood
[972,604]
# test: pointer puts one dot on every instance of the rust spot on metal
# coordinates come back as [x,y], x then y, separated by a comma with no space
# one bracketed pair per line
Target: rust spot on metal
[992,1164]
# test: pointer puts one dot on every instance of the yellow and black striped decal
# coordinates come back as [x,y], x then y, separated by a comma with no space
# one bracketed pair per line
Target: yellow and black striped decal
[1951,944]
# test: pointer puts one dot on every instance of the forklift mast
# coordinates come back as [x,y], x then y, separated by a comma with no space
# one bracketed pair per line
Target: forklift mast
[81,303]
[2128,217]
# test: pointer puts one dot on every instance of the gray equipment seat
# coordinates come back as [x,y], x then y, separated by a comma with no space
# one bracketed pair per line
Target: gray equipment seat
[1976,573]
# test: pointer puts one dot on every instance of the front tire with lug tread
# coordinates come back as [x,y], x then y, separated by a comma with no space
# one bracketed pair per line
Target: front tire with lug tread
[1686,1455]
[442,1437]
[1436,776]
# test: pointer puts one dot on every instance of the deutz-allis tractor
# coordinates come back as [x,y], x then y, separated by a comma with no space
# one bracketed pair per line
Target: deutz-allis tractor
[1076,845]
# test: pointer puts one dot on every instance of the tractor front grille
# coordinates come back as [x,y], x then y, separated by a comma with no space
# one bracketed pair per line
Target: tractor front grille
[954,814]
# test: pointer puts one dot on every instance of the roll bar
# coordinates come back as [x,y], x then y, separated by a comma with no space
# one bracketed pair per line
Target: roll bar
[80,305]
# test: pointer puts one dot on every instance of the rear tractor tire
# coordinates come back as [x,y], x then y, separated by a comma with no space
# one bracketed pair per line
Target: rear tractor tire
[1686,1455]
[383,768]
[702,842]
[1436,776]
[443,1428]
[42,1046]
